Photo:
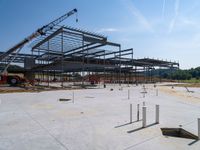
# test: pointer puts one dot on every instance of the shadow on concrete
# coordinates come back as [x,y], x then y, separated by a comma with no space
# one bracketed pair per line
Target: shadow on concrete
[178,132]
[131,131]
[126,124]
[193,142]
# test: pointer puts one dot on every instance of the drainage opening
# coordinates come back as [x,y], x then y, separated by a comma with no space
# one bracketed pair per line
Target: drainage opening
[64,99]
[178,132]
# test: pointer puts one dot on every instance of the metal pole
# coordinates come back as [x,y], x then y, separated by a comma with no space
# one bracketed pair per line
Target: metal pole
[48,64]
[143,103]
[138,112]
[132,68]
[157,114]
[83,61]
[144,108]
[156,92]
[62,59]
[120,65]
[199,128]
[131,118]
[104,68]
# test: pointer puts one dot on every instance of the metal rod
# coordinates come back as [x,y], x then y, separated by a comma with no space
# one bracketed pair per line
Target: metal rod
[120,65]
[48,63]
[199,128]
[62,60]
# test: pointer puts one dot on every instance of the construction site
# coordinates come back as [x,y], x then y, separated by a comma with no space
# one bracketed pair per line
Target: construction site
[65,54]
[77,90]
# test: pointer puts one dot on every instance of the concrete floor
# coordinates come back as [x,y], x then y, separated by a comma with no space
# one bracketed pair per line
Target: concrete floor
[97,120]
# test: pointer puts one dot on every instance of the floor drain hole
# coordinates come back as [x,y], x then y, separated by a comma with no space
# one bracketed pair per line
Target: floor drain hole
[64,99]
[178,132]
[89,97]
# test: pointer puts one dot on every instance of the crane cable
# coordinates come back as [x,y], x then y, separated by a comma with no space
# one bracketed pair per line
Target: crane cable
[77,17]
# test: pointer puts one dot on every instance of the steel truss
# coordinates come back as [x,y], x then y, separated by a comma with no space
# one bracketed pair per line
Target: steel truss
[67,50]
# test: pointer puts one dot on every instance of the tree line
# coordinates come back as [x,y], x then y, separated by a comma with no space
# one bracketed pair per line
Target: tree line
[183,74]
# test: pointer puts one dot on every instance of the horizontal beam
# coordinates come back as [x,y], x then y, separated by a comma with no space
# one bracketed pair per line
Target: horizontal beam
[48,38]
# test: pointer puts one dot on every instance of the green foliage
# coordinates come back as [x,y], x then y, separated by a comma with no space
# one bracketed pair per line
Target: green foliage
[191,74]
[181,75]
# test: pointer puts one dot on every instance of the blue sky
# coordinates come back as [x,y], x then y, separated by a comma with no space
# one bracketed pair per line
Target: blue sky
[165,29]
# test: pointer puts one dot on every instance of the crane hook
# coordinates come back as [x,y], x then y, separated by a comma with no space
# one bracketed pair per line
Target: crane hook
[76,17]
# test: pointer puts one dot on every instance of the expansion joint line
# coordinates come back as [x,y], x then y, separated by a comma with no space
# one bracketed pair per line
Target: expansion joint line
[56,139]
[142,142]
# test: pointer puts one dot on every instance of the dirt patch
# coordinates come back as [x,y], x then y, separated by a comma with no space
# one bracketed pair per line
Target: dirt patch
[181,94]
[195,85]
[18,89]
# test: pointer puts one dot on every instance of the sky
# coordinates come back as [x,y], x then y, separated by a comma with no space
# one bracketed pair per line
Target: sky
[164,29]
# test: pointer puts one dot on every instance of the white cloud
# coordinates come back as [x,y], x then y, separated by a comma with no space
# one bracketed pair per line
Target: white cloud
[104,30]
[137,14]
[176,11]
[163,9]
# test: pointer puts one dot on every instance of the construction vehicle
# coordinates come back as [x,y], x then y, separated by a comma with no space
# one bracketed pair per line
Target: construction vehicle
[12,80]
[94,79]
[4,78]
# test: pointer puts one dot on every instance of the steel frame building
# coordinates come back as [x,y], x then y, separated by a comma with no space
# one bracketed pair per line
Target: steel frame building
[66,50]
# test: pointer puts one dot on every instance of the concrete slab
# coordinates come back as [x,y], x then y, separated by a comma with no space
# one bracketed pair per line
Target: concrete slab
[98,119]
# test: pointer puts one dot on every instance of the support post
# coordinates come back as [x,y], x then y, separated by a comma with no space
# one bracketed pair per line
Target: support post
[62,60]
[157,114]
[120,65]
[138,112]
[48,63]
[131,118]
[143,103]
[199,128]
[144,123]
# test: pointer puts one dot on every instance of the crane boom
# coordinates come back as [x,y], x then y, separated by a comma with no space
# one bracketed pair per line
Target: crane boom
[40,31]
